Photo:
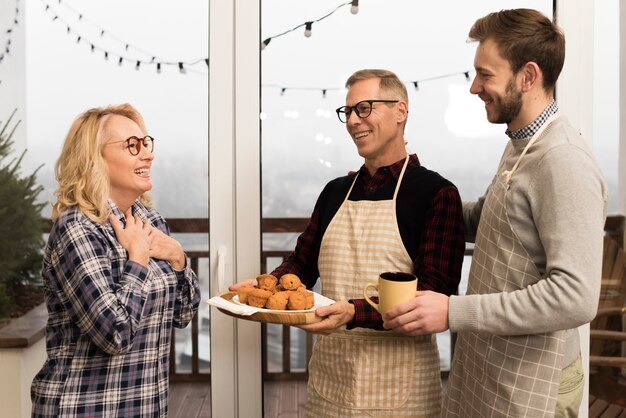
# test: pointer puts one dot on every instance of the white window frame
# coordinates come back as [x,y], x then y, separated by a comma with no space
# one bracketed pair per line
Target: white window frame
[575,98]
[235,200]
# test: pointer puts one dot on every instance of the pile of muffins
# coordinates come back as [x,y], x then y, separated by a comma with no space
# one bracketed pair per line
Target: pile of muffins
[287,294]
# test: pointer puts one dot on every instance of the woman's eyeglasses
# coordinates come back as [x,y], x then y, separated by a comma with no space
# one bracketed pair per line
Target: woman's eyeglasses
[134,144]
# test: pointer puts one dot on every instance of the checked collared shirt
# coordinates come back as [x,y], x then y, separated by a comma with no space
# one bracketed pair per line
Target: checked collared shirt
[434,237]
[110,322]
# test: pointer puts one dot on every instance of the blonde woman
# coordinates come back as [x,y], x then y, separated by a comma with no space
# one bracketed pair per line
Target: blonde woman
[115,281]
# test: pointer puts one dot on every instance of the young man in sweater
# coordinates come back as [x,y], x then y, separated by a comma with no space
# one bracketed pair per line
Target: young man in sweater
[535,274]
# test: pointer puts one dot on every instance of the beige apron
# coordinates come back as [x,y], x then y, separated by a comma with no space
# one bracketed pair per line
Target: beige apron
[364,372]
[503,376]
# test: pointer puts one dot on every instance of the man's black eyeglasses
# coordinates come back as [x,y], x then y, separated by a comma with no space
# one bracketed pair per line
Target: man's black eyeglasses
[362,109]
[134,144]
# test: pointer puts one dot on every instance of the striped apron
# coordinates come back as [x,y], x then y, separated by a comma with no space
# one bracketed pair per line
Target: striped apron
[503,376]
[364,372]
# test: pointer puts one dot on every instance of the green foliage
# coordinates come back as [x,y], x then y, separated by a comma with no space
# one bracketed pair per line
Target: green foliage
[21,238]
[6,305]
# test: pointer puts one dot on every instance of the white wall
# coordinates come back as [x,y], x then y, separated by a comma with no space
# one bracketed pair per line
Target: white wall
[20,365]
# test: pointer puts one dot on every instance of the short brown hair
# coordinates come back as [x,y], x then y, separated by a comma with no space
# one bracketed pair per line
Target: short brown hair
[524,35]
[389,82]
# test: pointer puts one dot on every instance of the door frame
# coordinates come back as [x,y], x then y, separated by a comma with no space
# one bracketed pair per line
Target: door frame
[574,93]
[235,200]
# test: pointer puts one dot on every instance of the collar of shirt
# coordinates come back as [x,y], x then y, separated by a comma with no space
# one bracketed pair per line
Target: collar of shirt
[117,212]
[533,127]
[384,174]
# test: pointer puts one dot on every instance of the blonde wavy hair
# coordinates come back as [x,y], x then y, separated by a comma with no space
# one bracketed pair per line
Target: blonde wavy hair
[81,171]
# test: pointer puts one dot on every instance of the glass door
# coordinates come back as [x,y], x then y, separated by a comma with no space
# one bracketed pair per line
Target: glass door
[304,145]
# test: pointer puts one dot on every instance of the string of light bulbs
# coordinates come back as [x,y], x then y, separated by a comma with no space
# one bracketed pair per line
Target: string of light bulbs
[153,60]
[9,32]
[413,83]
[308,25]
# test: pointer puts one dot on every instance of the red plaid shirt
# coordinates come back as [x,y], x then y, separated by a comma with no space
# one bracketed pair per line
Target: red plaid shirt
[437,252]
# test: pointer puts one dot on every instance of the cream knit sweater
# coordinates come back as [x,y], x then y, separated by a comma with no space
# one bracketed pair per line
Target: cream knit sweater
[557,207]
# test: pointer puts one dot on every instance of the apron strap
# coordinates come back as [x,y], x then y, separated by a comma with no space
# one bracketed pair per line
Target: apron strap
[353,183]
[535,137]
[395,193]
[406,163]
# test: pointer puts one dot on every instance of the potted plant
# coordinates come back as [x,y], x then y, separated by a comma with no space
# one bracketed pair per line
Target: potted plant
[21,239]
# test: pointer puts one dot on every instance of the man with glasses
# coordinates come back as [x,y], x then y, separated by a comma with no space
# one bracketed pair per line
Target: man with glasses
[391,215]
[536,268]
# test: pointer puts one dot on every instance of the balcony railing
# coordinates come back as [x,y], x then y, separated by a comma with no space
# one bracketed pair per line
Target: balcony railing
[614,228]
[194,373]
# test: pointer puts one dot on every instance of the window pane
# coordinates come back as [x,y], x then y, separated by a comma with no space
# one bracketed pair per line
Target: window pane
[73,64]
[606,94]
[305,146]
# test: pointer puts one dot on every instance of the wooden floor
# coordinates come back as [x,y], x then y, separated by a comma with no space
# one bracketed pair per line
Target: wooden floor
[285,399]
[607,395]
[599,408]
[190,400]
[281,400]
[288,399]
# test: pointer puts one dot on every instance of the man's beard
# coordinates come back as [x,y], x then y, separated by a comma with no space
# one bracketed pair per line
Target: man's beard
[508,107]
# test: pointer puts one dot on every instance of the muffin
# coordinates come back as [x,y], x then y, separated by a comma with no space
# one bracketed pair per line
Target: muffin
[258,297]
[290,281]
[243,293]
[310,298]
[267,282]
[278,301]
[297,300]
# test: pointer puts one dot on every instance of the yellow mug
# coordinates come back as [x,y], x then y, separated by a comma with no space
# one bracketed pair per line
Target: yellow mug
[394,287]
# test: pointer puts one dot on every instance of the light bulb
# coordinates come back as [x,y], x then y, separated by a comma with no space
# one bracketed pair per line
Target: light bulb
[354,9]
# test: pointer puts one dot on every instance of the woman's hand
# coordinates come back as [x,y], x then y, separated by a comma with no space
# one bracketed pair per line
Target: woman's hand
[134,238]
[164,247]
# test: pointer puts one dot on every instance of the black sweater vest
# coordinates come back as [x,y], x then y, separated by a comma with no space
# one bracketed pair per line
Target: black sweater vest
[419,187]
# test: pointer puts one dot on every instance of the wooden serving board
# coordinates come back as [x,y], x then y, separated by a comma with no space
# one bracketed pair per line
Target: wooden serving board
[277,317]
